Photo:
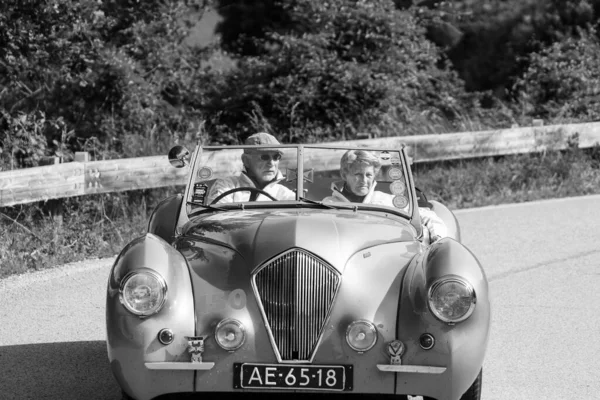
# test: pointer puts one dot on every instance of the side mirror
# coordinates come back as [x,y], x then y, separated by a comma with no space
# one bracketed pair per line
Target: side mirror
[179,156]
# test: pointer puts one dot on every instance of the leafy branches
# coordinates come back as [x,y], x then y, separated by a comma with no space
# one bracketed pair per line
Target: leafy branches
[341,67]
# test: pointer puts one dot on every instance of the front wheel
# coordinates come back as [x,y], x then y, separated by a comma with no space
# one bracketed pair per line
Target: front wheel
[474,392]
[125,396]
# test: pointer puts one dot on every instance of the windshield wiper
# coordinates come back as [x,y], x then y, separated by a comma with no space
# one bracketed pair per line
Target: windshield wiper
[325,205]
[205,207]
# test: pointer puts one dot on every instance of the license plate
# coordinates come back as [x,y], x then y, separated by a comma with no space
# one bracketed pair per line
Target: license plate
[281,376]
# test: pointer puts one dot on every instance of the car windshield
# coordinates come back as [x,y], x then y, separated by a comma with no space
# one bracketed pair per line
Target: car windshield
[336,177]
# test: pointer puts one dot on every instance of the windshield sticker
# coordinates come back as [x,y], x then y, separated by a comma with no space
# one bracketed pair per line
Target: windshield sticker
[200,191]
[395,159]
[384,156]
[395,174]
[205,173]
[397,187]
[400,201]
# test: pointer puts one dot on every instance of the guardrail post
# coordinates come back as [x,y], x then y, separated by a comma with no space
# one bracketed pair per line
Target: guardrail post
[82,156]
[54,206]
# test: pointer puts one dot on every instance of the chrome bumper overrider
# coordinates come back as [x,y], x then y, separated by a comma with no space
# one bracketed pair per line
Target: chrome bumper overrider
[180,365]
[421,369]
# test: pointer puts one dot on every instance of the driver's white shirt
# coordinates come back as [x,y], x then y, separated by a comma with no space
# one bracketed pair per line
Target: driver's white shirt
[275,189]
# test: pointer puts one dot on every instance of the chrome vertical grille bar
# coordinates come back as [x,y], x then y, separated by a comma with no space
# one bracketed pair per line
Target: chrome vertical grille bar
[296,291]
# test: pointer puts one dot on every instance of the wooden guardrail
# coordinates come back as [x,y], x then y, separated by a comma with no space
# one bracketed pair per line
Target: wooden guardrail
[83,178]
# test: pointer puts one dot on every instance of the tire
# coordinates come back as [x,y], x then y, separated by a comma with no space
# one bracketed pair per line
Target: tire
[125,396]
[474,392]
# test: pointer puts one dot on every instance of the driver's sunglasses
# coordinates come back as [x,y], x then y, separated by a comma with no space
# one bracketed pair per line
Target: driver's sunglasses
[267,157]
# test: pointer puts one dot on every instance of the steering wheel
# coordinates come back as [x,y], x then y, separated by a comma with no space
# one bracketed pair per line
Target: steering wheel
[242,189]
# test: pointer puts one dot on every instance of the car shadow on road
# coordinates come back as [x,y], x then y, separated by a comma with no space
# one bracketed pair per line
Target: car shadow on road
[67,370]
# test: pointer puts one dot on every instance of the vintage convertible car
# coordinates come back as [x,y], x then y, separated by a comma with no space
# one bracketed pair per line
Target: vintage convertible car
[297,296]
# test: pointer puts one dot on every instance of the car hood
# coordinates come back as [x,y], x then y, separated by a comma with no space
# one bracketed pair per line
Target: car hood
[332,235]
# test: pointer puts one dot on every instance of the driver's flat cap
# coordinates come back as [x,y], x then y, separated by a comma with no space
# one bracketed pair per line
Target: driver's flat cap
[261,138]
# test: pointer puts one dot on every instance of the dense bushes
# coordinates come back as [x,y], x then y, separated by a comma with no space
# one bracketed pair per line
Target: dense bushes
[117,78]
[499,35]
[338,68]
[563,80]
[96,71]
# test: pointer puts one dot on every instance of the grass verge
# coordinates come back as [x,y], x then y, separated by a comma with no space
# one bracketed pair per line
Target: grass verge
[101,225]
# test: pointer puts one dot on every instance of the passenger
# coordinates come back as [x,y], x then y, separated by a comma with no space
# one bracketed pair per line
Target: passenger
[261,170]
[358,169]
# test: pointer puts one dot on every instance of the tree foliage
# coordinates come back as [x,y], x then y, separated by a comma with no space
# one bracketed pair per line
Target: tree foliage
[104,71]
[116,77]
[499,35]
[338,68]
[563,80]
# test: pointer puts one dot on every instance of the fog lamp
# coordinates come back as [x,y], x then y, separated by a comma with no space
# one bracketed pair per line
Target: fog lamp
[143,292]
[451,299]
[166,336]
[230,334]
[427,341]
[361,335]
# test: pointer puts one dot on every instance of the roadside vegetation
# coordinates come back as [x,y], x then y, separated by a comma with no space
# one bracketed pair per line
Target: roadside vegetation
[101,225]
[117,79]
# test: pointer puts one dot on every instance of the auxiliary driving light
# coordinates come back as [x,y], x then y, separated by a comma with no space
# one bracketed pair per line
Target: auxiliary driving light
[361,335]
[143,292]
[427,341]
[451,299]
[166,336]
[230,334]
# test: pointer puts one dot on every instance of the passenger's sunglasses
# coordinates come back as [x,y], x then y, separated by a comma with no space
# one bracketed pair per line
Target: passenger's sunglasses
[267,157]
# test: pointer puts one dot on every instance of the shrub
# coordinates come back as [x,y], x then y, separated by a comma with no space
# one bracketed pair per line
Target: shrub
[499,35]
[115,75]
[338,68]
[563,81]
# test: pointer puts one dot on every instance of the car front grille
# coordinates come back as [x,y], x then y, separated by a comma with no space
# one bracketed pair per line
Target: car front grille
[296,291]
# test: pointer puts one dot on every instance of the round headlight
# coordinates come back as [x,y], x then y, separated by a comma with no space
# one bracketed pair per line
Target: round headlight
[143,293]
[452,299]
[361,335]
[230,334]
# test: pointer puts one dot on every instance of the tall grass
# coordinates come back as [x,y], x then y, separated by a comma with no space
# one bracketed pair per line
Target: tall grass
[511,179]
[92,226]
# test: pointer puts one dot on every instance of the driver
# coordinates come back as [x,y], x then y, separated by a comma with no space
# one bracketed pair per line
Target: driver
[261,171]
[358,169]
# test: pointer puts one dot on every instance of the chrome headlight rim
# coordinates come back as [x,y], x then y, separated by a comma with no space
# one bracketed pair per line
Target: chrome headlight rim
[239,325]
[163,288]
[451,279]
[371,327]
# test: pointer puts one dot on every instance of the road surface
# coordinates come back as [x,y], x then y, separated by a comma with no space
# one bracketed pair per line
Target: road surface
[542,260]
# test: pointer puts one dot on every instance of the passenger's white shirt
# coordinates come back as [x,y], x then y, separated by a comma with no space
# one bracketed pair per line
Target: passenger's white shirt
[275,189]
[436,226]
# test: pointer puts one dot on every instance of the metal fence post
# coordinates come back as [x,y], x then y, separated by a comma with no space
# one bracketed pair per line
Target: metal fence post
[54,206]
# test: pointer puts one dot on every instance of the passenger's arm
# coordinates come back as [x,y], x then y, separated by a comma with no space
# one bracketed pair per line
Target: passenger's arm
[435,225]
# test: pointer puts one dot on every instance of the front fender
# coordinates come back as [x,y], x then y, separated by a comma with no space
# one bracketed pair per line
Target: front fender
[163,220]
[132,340]
[449,219]
[458,347]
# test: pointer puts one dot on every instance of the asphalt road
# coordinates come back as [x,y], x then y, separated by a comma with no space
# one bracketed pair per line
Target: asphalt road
[542,260]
